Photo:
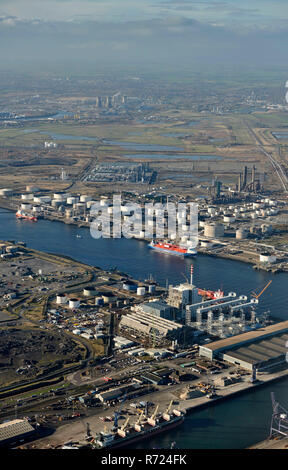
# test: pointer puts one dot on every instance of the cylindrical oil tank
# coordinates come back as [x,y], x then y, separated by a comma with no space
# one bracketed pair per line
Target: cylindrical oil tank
[56,203]
[84,198]
[229,218]
[79,206]
[72,200]
[129,285]
[59,196]
[151,288]
[99,301]
[141,290]
[214,230]
[26,206]
[32,189]
[267,258]
[61,299]
[89,291]
[42,199]
[241,233]
[36,209]
[6,192]
[89,204]
[74,303]
[27,197]
[108,297]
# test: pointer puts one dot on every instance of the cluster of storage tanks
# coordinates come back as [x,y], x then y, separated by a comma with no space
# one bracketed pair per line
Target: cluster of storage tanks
[104,298]
[62,299]
[139,290]
[79,203]
[263,208]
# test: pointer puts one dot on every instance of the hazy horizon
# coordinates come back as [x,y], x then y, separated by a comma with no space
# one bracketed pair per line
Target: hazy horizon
[149,35]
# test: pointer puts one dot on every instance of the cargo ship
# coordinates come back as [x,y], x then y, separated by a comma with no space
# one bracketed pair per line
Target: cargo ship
[172,249]
[128,436]
[23,215]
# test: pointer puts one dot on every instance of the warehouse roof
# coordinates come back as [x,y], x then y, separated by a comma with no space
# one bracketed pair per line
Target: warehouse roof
[14,428]
[261,351]
[249,336]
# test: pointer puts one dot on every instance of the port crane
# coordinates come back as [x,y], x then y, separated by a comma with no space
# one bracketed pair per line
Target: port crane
[256,296]
[169,407]
[279,421]
[151,420]
[166,414]
[137,425]
[117,414]
[122,430]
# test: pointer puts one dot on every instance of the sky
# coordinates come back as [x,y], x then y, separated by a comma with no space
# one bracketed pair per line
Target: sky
[151,33]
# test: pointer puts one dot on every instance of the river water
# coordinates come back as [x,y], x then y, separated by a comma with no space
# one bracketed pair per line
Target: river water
[232,424]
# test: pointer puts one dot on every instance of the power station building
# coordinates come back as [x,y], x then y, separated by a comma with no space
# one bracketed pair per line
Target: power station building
[260,349]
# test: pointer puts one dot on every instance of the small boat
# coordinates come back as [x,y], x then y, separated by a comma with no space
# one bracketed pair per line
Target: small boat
[24,216]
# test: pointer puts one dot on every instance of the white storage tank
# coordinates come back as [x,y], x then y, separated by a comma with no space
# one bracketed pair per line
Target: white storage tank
[99,301]
[206,243]
[32,189]
[6,192]
[26,206]
[84,198]
[42,199]
[141,290]
[27,197]
[151,288]
[56,203]
[72,200]
[89,291]
[213,230]
[59,196]
[267,258]
[74,303]
[61,299]
[36,209]
[241,233]
[90,204]
[229,218]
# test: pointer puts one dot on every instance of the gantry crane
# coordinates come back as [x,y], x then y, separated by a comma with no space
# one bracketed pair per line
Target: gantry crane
[279,421]
[256,296]
[117,413]
[122,430]
[152,420]
[137,425]
[166,414]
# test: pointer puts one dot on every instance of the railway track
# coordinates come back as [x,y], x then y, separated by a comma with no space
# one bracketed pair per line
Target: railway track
[278,167]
